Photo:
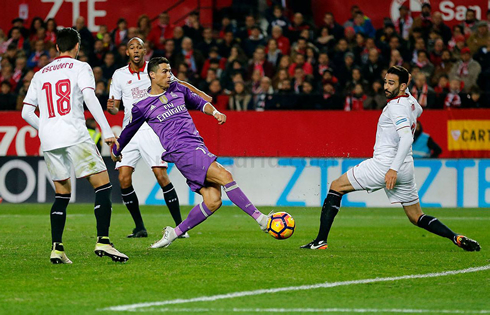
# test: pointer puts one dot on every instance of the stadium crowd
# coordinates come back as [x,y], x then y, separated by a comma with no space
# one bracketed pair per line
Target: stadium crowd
[277,60]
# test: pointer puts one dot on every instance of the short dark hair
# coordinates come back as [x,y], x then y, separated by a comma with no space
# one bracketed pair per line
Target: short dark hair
[154,62]
[401,72]
[67,39]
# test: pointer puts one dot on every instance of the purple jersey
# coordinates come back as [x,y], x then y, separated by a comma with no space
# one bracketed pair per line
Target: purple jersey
[167,115]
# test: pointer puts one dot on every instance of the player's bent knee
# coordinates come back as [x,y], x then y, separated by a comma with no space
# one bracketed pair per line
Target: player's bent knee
[125,180]
[226,176]
[213,205]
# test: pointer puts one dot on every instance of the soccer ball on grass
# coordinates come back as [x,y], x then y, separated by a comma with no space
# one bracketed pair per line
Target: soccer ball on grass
[281,225]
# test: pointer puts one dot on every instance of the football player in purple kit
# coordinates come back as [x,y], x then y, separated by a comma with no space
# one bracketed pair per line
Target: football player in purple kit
[165,108]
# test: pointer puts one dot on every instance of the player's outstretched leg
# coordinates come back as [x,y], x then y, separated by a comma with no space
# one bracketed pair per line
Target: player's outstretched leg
[220,175]
[131,202]
[433,225]
[170,195]
[58,220]
[331,207]
[200,212]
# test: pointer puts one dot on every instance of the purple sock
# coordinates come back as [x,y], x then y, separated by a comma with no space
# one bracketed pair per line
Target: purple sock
[197,215]
[237,196]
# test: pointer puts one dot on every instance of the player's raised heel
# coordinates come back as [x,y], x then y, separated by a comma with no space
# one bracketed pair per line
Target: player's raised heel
[467,243]
[185,235]
[110,251]
[169,236]
[315,245]
[138,233]
[58,255]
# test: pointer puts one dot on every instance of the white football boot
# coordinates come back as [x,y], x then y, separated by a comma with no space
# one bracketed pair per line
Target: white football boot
[102,249]
[169,236]
[58,255]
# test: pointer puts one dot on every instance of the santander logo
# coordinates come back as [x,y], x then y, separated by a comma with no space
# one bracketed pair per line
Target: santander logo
[452,10]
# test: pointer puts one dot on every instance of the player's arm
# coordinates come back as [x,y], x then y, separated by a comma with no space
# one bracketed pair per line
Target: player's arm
[211,110]
[137,120]
[115,96]
[95,108]
[402,124]
[194,89]
[194,101]
[30,104]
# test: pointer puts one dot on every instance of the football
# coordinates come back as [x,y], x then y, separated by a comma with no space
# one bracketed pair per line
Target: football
[281,225]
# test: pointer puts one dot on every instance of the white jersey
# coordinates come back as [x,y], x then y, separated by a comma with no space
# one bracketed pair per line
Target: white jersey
[130,87]
[400,112]
[57,90]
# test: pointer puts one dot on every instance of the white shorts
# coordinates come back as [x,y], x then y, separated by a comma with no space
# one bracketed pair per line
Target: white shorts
[145,144]
[84,157]
[370,176]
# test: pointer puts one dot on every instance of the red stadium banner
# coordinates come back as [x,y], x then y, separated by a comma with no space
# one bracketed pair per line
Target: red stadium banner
[460,133]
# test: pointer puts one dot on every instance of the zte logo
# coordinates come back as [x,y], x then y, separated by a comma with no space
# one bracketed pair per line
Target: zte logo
[92,13]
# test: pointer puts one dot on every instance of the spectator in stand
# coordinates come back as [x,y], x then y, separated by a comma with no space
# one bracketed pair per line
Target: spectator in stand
[6,75]
[424,20]
[246,30]
[483,56]
[239,98]
[372,69]
[479,38]
[122,58]
[436,54]
[255,40]
[353,11]
[178,36]
[193,28]
[321,65]
[350,36]
[334,28]
[10,56]
[424,64]
[441,28]
[262,96]
[85,34]
[363,25]
[192,57]
[107,42]
[422,92]
[376,98]
[19,24]
[472,99]
[8,100]
[282,41]
[260,63]
[341,50]
[297,80]
[331,100]
[278,19]
[26,81]
[109,65]
[396,59]
[169,51]
[457,33]
[207,42]
[101,93]
[311,56]
[226,44]
[466,70]
[215,90]
[441,90]
[254,82]
[43,61]
[214,61]
[328,77]
[36,24]
[16,41]
[325,40]
[470,24]
[144,26]
[345,69]
[419,45]
[297,26]
[359,48]
[20,69]
[284,98]
[98,54]
[101,32]
[356,79]
[300,61]
[210,77]
[453,98]
[119,35]
[277,80]
[404,23]
[299,47]
[236,54]
[284,63]
[355,100]
[274,54]
[423,145]
[162,31]
[310,98]
[98,74]
[226,26]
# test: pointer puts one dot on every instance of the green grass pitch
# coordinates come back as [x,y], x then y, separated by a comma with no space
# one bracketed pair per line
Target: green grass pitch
[228,253]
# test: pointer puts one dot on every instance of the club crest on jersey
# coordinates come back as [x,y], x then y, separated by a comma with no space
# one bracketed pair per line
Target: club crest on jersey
[163,99]
[173,94]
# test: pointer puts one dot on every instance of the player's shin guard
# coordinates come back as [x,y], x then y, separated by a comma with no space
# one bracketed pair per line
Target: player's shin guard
[131,201]
[103,208]
[197,215]
[331,207]
[237,196]
[435,226]
[172,202]
[58,216]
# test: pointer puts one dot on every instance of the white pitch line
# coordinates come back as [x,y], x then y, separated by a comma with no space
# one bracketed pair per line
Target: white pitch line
[132,307]
[311,310]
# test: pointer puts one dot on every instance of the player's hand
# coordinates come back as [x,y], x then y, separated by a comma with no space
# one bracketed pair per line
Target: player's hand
[409,79]
[113,157]
[110,141]
[221,118]
[390,179]
[111,106]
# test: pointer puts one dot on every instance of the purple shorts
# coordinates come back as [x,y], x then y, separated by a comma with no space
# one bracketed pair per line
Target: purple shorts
[193,162]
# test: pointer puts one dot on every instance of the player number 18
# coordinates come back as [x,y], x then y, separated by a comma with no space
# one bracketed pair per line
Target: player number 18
[62,89]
